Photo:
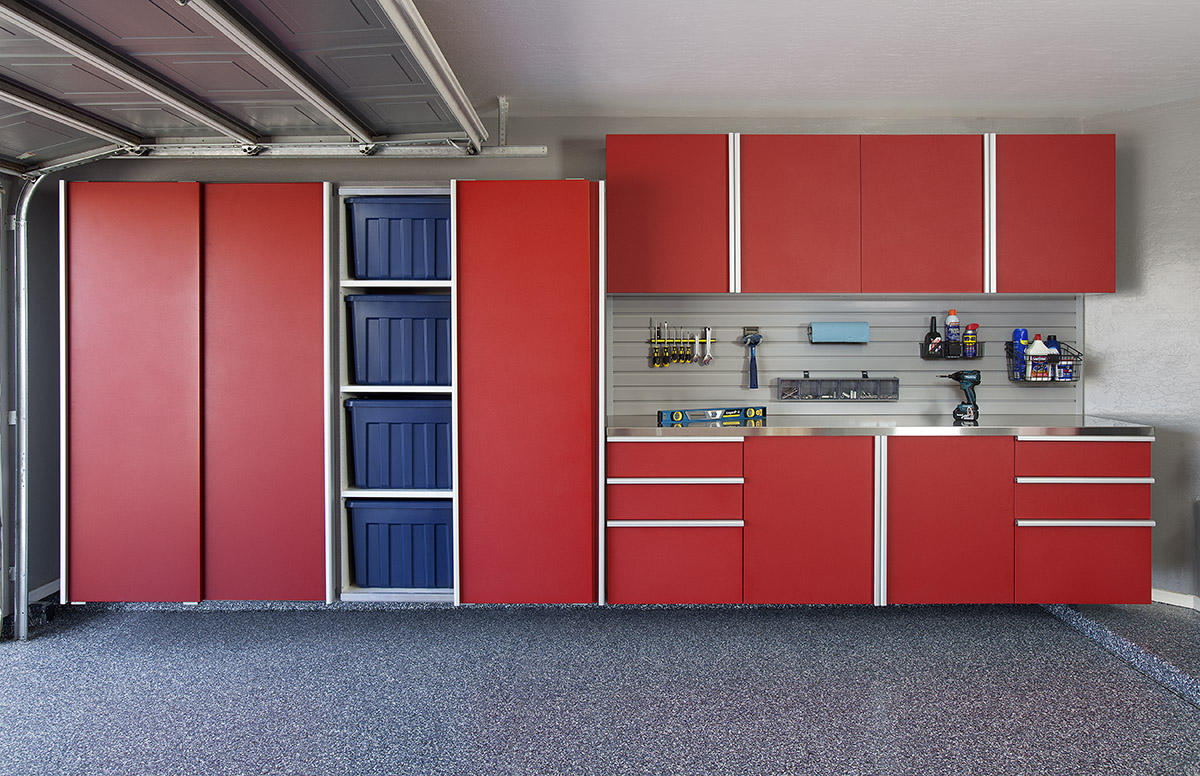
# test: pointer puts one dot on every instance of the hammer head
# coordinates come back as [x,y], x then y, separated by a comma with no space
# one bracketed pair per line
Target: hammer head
[752,339]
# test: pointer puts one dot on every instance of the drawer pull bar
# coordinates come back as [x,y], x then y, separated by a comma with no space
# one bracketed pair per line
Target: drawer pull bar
[1085,480]
[736,439]
[1086,523]
[676,523]
[1085,439]
[676,480]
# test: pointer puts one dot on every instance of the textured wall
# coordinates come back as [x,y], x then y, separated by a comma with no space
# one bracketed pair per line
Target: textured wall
[1141,341]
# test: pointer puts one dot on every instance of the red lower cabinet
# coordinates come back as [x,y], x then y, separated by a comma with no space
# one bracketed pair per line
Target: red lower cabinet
[810,520]
[683,564]
[950,520]
[661,501]
[1083,564]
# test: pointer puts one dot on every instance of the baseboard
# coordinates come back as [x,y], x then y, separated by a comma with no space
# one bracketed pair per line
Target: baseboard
[1175,599]
[38,593]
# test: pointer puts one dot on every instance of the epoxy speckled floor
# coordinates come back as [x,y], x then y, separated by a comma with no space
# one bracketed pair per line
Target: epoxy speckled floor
[583,690]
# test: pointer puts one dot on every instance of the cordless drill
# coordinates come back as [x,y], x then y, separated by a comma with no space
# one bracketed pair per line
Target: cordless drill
[967,380]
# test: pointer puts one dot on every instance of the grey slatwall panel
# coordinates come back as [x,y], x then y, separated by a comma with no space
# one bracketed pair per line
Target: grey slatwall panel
[898,325]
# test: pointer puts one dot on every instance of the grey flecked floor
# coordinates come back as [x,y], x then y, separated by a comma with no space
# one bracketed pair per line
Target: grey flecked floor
[583,690]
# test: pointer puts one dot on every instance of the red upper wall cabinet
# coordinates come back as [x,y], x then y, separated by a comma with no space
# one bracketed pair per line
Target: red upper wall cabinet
[800,211]
[667,202]
[1055,213]
[922,213]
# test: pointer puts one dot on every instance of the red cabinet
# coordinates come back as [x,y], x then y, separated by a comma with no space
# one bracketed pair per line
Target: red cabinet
[684,564]
[196,392]
[950,520]
[800,212]
[922,213]
[674,521]
[1055,213]
[674,459]
[1085,539]
[1083,563]
[264,391]
[810,520]
[667,210]
[527,264]
[676,501]
[133,422]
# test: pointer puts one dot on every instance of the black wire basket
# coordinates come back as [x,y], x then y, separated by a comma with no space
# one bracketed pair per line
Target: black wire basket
[1066,367]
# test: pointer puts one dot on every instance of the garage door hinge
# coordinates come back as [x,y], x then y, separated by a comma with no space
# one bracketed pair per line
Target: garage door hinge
[12,417]
[12,573]
[11,223]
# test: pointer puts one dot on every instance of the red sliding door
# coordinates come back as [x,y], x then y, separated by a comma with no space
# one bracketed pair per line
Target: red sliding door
[527,285]
[264,432]
[133,391]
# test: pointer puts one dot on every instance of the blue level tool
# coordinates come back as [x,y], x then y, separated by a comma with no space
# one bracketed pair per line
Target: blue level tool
[708,415]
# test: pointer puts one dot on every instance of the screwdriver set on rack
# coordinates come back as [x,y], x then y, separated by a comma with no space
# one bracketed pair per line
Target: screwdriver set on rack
[673,345]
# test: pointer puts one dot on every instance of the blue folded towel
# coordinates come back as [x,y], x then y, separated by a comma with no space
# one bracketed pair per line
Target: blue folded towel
[839,331]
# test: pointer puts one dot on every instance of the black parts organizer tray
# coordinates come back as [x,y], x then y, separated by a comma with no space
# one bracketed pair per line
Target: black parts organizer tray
[839,388]
[1066,367]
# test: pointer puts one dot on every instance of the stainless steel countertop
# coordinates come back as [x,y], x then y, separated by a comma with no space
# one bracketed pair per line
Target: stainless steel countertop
[882,425]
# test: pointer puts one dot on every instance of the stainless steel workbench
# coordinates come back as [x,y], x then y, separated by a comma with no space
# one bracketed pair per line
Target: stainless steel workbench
[883,425]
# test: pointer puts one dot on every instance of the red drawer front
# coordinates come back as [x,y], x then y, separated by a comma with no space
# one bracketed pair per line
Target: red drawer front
[1090,501]
[669,565]
[1083,565]
[674,459]
[1083,459]
[688,501]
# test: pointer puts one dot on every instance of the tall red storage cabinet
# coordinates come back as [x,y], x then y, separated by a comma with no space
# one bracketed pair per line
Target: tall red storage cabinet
[527,269]
[264,391]
[195,384]
[133,391]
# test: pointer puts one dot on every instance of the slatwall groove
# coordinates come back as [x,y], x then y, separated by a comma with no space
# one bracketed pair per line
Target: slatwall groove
[898,325]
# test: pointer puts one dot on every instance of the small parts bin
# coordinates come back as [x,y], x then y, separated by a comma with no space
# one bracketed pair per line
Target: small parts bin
[400,443]
[400,339]
[400,238]
[402,543]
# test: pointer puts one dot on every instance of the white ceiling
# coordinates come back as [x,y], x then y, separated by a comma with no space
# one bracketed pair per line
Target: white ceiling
[1062,58]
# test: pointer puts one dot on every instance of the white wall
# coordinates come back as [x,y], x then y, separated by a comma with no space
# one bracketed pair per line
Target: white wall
[1142,341]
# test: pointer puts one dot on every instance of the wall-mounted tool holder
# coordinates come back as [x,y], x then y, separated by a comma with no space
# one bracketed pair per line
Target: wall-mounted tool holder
[865,388]
[949,350]
[673,345]
[1066,367]
[839,331]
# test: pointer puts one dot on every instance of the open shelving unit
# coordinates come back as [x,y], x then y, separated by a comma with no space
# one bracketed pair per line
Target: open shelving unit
[347,284]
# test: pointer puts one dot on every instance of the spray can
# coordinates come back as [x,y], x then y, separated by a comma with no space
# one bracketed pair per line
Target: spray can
[971,341]
[953,332]
[1020,338]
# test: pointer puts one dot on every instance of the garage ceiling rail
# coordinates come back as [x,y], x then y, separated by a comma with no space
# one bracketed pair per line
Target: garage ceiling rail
[88,79]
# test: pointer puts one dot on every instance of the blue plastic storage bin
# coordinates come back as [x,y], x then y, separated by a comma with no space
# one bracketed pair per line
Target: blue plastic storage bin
[400,443]
[400,238]
[400,339]
[402,543]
